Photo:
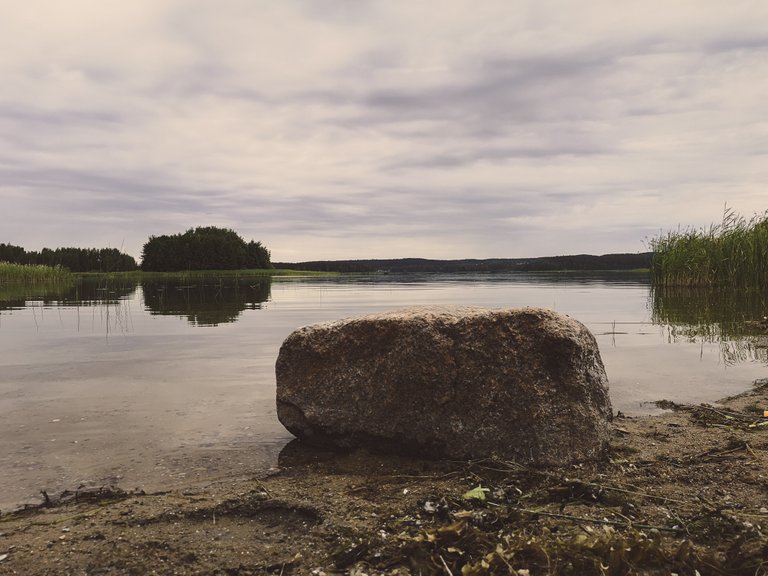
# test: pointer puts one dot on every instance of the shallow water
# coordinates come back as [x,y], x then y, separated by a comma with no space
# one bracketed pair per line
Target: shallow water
[159,383]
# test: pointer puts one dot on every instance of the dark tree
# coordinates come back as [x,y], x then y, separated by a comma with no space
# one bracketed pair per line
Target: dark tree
[75,259]
[12,254]
[258,255]
[203,248]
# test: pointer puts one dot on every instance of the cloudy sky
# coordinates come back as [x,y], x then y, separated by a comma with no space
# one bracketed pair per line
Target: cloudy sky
[340,129]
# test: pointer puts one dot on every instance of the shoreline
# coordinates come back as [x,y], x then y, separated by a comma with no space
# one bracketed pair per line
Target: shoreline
[682,491]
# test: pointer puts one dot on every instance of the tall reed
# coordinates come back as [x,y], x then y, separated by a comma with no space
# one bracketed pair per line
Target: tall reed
[27,274]
[732,253]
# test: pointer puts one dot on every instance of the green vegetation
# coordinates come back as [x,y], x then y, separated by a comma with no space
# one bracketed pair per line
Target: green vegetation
[204,248]
[75,259]
[28,274]
[733,253]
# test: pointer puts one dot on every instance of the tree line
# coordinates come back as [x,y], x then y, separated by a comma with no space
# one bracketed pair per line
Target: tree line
[74,259]
[581,262]
[203,248]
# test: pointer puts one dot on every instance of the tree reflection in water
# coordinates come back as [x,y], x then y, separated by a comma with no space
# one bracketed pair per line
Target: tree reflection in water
[206,301]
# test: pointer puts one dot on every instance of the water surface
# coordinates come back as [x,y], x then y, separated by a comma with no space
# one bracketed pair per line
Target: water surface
[157,383]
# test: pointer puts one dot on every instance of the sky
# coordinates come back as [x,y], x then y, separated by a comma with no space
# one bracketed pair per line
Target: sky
[342,129]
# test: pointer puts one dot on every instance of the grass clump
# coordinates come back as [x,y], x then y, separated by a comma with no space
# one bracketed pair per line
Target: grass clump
[28,274]
[732,253]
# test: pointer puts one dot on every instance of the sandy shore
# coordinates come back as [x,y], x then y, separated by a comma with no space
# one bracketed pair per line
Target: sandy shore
[685,491]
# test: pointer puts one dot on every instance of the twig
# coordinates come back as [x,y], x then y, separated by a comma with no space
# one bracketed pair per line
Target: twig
[448,570]
[713,454]
[635,493]
[676,516]
[425,476]
[727,414]
[598,521]
[749,449]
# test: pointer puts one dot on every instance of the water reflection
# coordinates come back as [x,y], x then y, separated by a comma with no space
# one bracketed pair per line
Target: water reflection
[206,302]
[83,293]
[726,316]
[15,297]
[550,278]
[203,301]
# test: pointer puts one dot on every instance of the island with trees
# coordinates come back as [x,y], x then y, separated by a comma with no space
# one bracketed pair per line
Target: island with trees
[203,248]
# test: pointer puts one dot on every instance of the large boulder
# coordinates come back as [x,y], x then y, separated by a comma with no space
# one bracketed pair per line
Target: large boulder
[518,384]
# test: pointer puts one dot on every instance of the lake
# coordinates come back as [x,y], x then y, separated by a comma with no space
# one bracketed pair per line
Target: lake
[153,384]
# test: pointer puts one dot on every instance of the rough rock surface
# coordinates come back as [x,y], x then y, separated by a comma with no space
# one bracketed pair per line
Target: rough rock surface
[519,384]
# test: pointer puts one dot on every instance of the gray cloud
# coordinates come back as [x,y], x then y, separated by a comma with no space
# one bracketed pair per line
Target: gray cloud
[380,129]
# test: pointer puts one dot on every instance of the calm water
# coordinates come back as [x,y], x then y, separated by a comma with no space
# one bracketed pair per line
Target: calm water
[146,385]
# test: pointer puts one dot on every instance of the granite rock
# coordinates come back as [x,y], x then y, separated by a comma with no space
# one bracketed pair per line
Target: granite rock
[449,382]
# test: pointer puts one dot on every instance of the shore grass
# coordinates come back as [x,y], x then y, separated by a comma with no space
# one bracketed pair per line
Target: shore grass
[27,274]
[733,253]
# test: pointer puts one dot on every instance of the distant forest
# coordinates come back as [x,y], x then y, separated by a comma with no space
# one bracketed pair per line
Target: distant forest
[548,263]
[74,259]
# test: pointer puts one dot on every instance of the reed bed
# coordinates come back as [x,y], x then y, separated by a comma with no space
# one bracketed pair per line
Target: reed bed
[732,253]
[28,274]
